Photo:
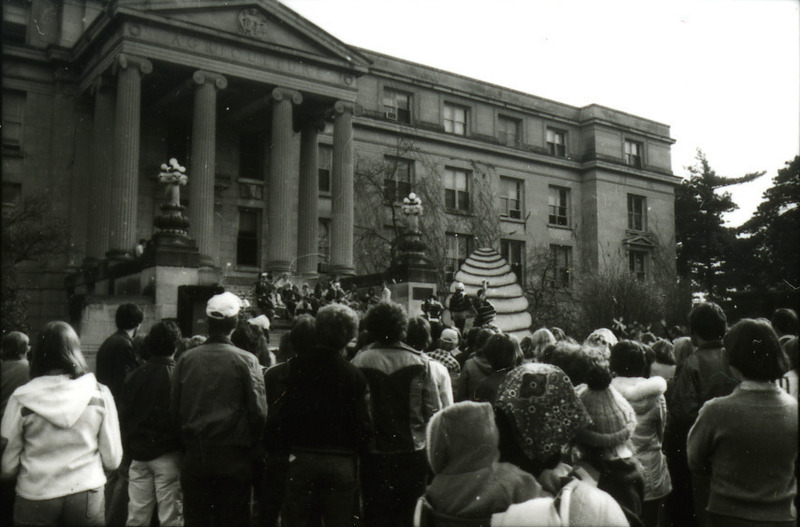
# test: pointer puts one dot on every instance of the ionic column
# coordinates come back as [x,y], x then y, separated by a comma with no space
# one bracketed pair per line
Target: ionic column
[342,191]
[279,255]
[203,161]
[97,242]
[125,171]
[308,209]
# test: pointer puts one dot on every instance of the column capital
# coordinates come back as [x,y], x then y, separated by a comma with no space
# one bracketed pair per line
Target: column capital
[341,107]
[125,61]
[279,94]
[204,77]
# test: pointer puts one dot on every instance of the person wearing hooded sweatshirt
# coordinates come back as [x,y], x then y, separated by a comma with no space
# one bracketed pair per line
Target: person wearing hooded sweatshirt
[62,431]
[475,369]
[646,396]
[469,481]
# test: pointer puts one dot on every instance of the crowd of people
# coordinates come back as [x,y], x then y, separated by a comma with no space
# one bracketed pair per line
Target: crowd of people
[389,419]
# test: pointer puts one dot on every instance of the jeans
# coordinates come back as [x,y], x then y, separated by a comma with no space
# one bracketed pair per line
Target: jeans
[81,508]
[213,500]
[320,485]
[391,485]
[116,494]
[155,481]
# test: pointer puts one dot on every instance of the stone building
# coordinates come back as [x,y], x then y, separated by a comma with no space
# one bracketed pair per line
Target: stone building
[272,116]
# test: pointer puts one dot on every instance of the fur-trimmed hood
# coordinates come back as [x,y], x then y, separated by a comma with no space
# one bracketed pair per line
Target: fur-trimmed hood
[642,393]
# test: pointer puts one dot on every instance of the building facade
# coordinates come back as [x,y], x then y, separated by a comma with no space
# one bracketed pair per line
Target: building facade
[275,120]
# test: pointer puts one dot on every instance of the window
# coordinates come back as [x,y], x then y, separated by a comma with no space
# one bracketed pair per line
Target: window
[561,266]
[557,142]
[508,131]
[247,238]
[251,159]
[323,243]
[397,105]
[455,119]
[254,191]
[456,189]
[459,247]
[325,163]
[514,253]
[558,205]
[633,153]
[637,213]
[397,184]
[636,263]
[13,112]
[15,23]
[511,198]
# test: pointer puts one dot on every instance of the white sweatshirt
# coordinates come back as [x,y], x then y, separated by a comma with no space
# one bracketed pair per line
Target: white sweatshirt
[61,434]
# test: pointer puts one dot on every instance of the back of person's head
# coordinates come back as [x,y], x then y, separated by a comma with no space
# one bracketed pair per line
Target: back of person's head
[57,350]
[785,322]
[302,336]
[418,335]
[128,317]
[222,312]
[14,346]
[602,337]
[448,340]
[387,322]
[613,418]
[567,356]
[249,337]
[665,351]
[483,336]
[707,320]
[462,438]
[336,325]
[163,339]
[502,352]
[541,338]
[472,334]
[647,337]
[753,348]
[559,334]
[628,359]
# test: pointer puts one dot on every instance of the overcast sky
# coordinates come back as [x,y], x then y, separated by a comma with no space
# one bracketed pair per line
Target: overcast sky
[724,74]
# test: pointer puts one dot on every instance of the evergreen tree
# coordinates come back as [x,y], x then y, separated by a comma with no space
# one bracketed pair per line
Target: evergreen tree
[703,240]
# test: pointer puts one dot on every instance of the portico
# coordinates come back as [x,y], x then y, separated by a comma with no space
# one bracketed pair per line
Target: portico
[228,71]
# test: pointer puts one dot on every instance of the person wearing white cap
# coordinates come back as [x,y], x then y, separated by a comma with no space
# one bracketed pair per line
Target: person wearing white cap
[219,405]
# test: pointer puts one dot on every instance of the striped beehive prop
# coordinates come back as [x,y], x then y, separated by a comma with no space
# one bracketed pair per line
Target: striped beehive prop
[504,292]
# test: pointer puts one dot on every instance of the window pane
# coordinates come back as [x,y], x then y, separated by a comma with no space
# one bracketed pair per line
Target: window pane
[247,239]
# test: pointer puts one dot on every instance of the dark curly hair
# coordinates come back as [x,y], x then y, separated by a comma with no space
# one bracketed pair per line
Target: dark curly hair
[163,339]
[386,322]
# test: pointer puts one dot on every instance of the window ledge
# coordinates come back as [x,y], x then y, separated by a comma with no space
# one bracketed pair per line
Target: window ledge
[512,220]
[559,227]
[458,212]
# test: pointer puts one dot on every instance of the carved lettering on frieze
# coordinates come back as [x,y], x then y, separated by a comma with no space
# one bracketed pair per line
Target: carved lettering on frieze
[253,23]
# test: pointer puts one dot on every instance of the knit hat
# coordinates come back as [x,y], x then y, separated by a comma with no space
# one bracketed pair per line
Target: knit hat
[613,418]
[224,305]
[542,405]
[462,438]
[449,335]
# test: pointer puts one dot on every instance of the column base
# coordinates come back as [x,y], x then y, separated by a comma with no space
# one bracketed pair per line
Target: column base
[118,255]
[277,267]
[341,270]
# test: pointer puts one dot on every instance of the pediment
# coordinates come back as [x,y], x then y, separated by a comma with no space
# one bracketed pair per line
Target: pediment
[640,239]
[260,21]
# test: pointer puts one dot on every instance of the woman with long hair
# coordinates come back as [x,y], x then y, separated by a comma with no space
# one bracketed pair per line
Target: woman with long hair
[63,432]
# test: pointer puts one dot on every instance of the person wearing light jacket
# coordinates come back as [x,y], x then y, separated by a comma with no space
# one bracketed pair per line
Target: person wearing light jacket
[62,431]
[646,396]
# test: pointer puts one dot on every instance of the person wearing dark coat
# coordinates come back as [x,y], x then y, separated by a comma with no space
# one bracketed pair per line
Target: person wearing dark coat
[116,359]
[219,406]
